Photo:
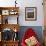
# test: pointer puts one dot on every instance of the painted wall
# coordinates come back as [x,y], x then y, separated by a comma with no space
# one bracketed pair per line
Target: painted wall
[26,3]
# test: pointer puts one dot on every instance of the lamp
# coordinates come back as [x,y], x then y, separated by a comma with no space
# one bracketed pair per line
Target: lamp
[15,30]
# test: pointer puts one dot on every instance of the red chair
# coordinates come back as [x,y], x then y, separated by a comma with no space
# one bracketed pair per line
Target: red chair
[29,33]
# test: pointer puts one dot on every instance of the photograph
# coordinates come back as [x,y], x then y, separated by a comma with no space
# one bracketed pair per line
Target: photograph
[30,13]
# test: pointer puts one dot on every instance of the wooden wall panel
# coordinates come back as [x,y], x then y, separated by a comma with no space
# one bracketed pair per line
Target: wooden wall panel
[44,22]
[44,12]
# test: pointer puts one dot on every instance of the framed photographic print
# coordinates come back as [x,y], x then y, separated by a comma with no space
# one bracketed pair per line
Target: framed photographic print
[30,13]
[5,12]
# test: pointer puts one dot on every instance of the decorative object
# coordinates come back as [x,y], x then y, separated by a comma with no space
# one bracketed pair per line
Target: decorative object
[30,13]
[15,30]
[15,37]
[6,21]
[5,12]
[7,34]
[13,12]
[15,3]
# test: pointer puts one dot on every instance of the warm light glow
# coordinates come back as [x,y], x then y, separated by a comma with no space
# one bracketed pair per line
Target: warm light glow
[15,30]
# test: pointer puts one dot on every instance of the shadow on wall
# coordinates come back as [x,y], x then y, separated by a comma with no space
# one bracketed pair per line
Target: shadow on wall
[37,29]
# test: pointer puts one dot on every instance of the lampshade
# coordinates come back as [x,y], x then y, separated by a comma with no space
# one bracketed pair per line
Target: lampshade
[15,30]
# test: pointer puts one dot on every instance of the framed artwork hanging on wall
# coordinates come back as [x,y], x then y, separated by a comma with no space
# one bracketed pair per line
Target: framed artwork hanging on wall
[30,13]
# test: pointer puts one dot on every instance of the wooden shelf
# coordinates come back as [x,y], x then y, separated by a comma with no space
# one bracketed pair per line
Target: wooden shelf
[10,43]
[4,13]
[8,11]
[11,26]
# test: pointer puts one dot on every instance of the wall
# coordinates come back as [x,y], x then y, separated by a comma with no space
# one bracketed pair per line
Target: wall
[32,3]
[26,3]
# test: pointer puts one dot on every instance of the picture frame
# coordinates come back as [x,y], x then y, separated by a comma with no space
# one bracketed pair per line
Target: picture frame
[5,12]
[30,13]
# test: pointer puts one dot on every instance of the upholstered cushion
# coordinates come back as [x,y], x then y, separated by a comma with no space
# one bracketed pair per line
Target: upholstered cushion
[31,41]
[30,38]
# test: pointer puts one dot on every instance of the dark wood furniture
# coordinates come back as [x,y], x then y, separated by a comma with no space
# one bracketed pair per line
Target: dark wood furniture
[0,43]
[10,43]
[8,11]
[45,36]
[4,13]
